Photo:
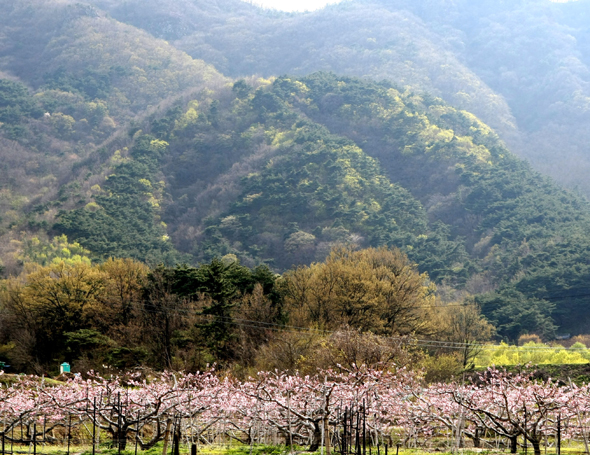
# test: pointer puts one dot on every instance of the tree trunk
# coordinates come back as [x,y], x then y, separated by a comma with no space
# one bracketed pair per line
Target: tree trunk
[120,438]
[168,425]
[513,444]
[476,440]
[327,435]
[316,439]
[156,437]
[176,440]
[536,445]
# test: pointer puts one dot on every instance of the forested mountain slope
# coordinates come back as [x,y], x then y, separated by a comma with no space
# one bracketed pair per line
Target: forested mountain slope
[522,66]
[134,149]
[367,40]
[71,82]
[281,172]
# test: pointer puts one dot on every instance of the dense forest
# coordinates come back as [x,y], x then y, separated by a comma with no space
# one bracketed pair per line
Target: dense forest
[131,173]
[522,66]
[362,307]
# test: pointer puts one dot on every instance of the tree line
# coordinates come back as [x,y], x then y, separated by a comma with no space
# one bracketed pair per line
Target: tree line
[357,307]
[389,406]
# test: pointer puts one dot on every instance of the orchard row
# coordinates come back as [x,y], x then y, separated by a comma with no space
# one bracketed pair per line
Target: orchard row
[328,409]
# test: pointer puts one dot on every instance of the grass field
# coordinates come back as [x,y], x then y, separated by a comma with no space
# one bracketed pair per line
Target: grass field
[568,448]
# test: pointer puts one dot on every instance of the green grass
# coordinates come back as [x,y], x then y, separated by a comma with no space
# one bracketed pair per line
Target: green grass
[568,448]
[48,449]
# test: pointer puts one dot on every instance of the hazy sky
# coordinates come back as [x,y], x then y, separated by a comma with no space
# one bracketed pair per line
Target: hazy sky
[294,5]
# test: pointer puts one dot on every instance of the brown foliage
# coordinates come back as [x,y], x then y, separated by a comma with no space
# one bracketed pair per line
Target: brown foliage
[97,304]
[465,327]
[251,336]
[346,349]
[349,349]
[584,339]
[124,283]
[528,337]
[377,290]
[290,351]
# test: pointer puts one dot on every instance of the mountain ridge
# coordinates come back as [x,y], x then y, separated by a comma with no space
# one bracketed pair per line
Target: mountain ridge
[134,149]
[486,58]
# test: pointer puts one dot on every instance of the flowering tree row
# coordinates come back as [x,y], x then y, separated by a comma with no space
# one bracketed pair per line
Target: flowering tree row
[300,409]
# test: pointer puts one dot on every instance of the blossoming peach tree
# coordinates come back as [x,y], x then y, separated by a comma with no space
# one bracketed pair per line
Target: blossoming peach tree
[317,410]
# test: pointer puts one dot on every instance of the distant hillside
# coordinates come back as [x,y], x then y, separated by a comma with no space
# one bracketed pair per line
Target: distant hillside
[280,173]
[78,49]
[354,38]
[71,81]
[522,66]
[133,149]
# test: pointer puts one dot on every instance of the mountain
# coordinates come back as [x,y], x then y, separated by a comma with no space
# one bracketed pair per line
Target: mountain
[133,148]
[521,66]
[69,91]
[356,38]
[281,172]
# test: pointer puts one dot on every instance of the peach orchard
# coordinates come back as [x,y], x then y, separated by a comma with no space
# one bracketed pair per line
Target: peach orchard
[330,410]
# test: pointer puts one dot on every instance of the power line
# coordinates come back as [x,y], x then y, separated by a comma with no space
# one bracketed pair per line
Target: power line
[440,344]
